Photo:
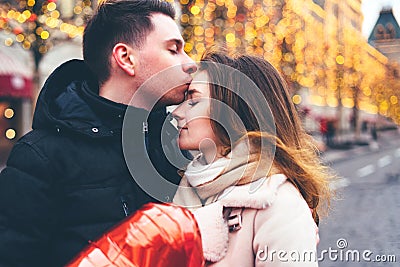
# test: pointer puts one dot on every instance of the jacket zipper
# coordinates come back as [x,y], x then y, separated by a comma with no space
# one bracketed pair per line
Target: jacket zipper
[125,206]
[146,131]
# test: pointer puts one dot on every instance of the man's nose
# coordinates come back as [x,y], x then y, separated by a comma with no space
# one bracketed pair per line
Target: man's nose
[189,66]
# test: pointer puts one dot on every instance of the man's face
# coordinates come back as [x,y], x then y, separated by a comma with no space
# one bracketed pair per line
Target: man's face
[162,57]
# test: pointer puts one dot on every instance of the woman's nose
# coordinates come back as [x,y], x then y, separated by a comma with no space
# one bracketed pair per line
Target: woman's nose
[178,113]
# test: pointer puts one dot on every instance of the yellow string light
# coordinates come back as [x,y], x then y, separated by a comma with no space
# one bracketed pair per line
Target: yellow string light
[296,99]
[19,38]
[44,35]
[31,2]
[8,113]
[51,6]
[195,10]
[10,133]
[8,42]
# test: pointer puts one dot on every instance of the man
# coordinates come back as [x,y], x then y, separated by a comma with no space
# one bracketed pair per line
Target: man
[67,181]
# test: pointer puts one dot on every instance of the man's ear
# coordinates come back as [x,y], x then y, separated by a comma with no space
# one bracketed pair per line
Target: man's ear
[124,58]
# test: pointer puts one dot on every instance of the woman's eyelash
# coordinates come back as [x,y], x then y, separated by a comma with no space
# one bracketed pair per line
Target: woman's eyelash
[192,103]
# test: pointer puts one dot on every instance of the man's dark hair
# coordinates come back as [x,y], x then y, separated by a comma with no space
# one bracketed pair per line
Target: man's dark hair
[126,21]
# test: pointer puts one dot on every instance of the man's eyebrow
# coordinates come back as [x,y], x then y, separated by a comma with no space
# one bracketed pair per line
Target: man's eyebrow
[178,42]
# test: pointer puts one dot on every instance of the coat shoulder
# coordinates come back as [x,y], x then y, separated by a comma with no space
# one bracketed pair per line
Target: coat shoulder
[259,194]
[288,207]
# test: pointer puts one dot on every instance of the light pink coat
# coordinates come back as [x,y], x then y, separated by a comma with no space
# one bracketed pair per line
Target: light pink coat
[277,227]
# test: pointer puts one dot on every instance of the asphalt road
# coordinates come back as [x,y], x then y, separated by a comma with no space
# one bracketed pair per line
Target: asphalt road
[363,228]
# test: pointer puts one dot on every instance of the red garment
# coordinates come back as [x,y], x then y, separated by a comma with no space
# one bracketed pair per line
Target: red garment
[156,235]
[323,126]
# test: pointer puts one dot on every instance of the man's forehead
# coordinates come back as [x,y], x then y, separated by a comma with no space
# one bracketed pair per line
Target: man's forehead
[166,28]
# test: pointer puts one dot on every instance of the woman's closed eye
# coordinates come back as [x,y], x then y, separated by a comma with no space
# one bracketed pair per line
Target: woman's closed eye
[194,96]
[193,102]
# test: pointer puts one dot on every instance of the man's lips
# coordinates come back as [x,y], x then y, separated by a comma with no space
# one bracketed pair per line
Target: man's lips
[181,128]
[184,85]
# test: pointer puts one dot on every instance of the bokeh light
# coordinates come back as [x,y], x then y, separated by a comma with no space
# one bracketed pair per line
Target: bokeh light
[11,134]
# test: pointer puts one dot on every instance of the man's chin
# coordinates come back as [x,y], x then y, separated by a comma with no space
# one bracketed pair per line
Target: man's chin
[172,100]
[177,101]
[174,96]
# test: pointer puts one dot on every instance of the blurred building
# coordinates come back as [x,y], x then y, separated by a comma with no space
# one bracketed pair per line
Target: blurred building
[349,78]
[385,35]
[16,92]
[35,38]
[316,44]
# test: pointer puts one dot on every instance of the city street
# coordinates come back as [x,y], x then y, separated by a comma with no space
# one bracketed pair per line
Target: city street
[365,218]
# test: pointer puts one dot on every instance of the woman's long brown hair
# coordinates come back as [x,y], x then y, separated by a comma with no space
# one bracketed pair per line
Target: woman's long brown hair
[296,155]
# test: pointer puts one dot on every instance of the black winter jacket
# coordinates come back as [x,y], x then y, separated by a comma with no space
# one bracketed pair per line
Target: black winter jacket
[67,181]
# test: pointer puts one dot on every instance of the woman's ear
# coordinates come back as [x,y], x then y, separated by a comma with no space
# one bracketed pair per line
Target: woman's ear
[124,58]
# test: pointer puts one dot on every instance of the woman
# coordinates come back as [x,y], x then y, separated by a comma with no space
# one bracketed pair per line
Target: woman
[257,183]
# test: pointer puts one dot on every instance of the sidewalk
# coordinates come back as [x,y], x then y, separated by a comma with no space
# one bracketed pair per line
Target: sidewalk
[386,139]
